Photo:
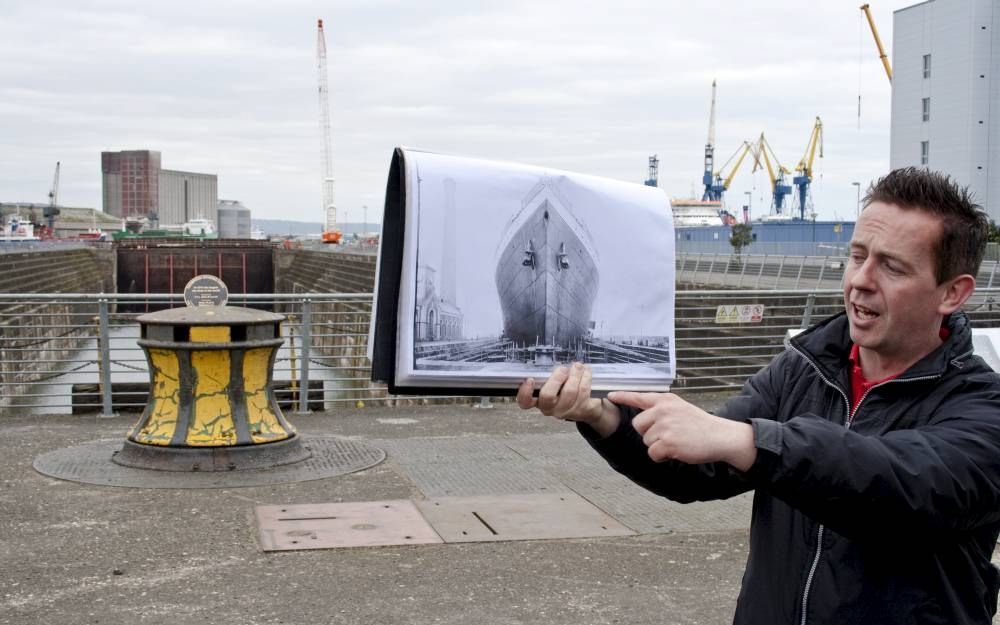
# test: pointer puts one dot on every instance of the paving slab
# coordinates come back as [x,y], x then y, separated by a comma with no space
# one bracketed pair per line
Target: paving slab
[518,517]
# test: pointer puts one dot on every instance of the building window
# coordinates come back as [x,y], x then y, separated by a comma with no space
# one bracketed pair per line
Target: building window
[925,150]
[926,107]
[927,66]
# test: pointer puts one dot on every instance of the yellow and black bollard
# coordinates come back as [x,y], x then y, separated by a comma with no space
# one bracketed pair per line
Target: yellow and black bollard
[211,405]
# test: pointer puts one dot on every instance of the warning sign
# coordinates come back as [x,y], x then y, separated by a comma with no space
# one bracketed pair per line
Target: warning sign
[739,313]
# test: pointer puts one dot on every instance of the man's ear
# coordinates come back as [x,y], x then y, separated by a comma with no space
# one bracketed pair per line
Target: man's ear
[956,291]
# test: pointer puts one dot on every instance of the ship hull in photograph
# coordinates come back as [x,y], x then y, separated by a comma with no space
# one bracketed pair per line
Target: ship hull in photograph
[546,276]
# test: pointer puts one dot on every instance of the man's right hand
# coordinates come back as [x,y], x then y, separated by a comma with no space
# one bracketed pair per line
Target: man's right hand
[566,395]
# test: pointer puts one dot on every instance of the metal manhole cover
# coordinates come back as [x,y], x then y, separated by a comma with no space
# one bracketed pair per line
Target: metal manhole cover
[91,463]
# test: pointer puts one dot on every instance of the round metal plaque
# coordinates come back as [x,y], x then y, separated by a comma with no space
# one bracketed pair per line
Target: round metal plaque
[205,290]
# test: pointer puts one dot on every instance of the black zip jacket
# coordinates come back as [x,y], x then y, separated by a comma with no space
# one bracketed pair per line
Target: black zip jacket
[889,515]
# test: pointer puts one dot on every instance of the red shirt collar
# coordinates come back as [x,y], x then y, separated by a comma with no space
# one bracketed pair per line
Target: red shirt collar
[859,385]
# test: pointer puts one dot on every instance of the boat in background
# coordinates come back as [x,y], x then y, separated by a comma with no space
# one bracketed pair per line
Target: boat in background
[200,228]
[92,234]
[18,229]
[690,212]
[136,228]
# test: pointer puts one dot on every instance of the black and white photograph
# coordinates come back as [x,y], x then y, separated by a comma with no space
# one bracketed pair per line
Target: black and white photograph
[509,270]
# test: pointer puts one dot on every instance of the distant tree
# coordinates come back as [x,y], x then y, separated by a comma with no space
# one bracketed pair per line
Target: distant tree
[740,236]
[993,236]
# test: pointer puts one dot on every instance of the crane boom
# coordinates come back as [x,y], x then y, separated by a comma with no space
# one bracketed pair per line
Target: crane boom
[54,191]
[711,119]
[878,41]
[715,191]
[52,209]
[759,152]
[805,166]
[329,209]
[745,149]
[778,187]
[707,176]
[815,139]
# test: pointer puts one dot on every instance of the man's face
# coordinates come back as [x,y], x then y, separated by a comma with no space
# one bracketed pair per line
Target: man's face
[890,289]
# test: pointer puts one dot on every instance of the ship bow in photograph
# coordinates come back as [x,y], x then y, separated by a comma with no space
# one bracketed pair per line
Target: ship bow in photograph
[546,272]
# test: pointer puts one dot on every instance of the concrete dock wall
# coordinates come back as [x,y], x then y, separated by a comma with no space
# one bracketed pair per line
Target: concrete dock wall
[35,335]
[340,336]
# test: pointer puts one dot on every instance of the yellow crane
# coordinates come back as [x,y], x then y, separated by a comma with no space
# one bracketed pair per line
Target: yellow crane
[878,42]
[805,166]
[720,185]
[779,189]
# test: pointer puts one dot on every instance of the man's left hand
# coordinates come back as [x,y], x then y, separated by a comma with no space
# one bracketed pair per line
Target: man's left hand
[673,429]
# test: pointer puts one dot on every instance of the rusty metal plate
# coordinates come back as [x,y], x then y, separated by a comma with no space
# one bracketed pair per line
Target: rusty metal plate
[356,524]
[518,517]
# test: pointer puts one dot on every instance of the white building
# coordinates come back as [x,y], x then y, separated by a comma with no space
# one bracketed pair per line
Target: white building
[946,93]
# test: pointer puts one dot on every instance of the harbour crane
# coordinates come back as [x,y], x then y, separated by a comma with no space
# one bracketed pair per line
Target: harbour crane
[878,42]
[720,182]
[805,167]
[52,209]
[779,188]
[654,172]
[330,232]
[707,177]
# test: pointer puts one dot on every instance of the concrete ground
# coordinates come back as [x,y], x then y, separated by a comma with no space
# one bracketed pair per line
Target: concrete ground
[79,554]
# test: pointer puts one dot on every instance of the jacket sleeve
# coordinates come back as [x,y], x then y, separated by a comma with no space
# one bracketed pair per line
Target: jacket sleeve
[941,477]
[627,454]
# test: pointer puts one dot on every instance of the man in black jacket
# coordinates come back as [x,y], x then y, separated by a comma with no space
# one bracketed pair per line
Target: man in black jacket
[872,443]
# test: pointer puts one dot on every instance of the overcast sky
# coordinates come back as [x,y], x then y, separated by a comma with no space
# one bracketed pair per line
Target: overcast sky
[230,88]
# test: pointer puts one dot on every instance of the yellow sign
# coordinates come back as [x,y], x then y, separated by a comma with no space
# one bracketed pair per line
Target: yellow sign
[739,313]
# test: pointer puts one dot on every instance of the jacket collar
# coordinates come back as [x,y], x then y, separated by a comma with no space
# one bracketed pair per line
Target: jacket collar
[828,345]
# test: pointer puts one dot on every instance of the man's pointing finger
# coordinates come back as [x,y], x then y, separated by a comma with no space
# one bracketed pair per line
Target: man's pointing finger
[642,401]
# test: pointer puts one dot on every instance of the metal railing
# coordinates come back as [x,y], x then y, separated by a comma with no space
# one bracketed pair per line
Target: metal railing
[77,353]
[760,271]
[779,271]
[762,248]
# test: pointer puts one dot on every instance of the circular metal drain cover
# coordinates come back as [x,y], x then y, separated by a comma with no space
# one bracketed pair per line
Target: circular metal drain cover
[91,463]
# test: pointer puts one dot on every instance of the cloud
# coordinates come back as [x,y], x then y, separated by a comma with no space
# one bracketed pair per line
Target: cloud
[230,88]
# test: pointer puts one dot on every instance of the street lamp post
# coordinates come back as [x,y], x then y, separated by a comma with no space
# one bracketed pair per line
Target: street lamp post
[364,228]
[857,205]
[749,199]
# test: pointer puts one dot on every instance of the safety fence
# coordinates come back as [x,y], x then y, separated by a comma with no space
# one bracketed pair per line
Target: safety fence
[761,248]
[78,353]
[779,271]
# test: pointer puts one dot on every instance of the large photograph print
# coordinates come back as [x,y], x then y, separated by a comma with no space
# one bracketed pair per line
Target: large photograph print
[509,270]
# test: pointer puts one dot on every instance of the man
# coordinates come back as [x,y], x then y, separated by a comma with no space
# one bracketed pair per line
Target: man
[872,443]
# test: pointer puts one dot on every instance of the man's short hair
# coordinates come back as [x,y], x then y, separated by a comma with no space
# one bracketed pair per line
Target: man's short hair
[964,225]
